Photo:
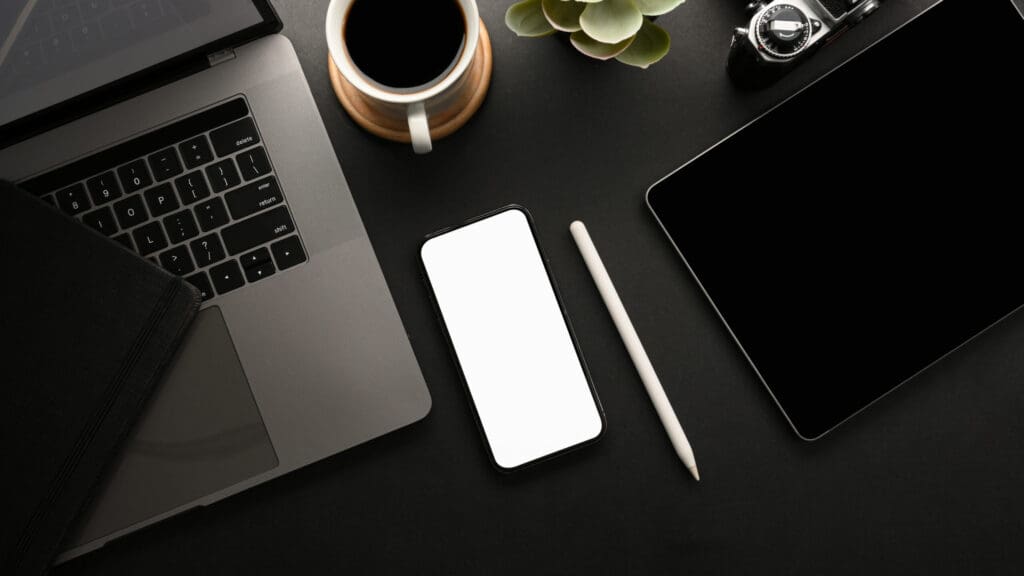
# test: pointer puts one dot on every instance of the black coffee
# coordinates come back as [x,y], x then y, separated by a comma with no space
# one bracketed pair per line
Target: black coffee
[404,44]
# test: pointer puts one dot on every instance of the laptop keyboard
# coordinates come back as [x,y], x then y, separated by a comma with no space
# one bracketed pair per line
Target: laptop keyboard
[198,197]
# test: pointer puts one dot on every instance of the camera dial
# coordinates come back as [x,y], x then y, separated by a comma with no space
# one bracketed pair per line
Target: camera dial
[783,30]
[782,33]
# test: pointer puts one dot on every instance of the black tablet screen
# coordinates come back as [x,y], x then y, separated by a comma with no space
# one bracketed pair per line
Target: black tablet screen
[873,222]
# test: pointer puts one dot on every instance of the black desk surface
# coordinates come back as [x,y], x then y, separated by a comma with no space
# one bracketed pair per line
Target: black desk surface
[929,480]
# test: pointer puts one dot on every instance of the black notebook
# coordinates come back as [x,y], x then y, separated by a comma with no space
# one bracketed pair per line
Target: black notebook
[88,328]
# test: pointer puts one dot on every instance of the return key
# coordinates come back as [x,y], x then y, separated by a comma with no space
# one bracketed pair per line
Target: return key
[254,197]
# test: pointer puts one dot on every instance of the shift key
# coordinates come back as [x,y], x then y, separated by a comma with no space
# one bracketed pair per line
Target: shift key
[254,197]
[258,230]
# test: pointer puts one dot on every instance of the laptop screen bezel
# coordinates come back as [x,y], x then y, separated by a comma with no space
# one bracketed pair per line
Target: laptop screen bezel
[138,82]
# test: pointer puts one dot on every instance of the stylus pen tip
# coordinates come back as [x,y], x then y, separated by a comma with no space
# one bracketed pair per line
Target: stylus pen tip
[696,475]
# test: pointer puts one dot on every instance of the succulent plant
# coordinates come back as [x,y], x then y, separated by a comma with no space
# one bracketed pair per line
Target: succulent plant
[602,29]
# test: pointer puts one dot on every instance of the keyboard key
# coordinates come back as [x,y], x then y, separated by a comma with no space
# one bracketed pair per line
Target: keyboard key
[117,24]
[252,198]
[257,264]
[253,163]
[146,13]
[103,188]
[37,27]
[223,175]
[259,229]
[93,8]
[227,276]
[101,220]
[130,211]
[26,58]
[234,137]
[259,271]
[73,199]
[202,283]
[49,200]
[288,252]
[165,164]
[134,176]
[196,151]
[150,238]
[124,240]
[207,250]
[57,50]
[254,258]
[181,226]
[65,17]
[161,200]
[25,61]
[211,214]
[192,187]
[85,37]
[177,261]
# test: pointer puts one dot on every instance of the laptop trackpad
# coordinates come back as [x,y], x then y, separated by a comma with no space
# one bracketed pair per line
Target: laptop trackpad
[201,432]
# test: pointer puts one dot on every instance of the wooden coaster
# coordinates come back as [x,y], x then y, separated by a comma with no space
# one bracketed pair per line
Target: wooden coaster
[469,99]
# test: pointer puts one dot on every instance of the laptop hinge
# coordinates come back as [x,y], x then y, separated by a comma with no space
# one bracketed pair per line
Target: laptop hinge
[222,56]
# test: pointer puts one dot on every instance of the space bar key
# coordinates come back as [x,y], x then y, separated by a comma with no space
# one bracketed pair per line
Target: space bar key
[259,229]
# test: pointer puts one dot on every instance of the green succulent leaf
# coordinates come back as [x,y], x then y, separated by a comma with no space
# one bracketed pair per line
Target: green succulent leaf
[527,19]
[563,16]
[584,1]
[651,45]
[595,49]
[657,7]
[611,21]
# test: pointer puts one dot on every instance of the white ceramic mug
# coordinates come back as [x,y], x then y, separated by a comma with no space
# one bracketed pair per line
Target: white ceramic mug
[414,104]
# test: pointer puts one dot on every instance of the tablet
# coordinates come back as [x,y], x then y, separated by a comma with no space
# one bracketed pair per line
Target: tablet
[871,224]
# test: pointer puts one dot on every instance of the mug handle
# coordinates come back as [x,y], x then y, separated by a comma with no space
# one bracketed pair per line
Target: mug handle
[419,130]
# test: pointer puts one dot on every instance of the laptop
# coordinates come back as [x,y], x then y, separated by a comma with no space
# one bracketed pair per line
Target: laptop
[868,226]
[185,131]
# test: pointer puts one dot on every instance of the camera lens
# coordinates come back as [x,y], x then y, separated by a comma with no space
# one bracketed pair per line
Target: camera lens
[783,30]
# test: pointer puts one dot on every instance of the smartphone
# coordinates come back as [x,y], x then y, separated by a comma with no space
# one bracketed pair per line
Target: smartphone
[532,395]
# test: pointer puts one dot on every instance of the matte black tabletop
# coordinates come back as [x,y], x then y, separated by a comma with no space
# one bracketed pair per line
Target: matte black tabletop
[931,480]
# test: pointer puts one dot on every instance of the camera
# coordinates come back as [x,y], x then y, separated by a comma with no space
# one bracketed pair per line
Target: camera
[782,33]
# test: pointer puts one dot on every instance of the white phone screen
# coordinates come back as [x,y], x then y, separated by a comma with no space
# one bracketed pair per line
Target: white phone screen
[527,382]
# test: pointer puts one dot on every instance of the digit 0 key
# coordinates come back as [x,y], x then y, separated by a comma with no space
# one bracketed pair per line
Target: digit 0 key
[134,176]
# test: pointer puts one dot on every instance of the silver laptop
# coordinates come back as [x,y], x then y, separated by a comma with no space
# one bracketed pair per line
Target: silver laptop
[222,173]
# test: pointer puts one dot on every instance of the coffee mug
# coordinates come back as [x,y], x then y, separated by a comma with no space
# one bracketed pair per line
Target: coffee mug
[408,61]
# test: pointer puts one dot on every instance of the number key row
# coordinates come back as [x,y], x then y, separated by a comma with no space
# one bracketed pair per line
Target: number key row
[191,187]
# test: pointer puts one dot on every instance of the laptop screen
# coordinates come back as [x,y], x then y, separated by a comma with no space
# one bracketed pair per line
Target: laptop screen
[54,50]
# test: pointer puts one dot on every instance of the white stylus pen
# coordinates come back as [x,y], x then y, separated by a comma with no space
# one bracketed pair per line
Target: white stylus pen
[636,350]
